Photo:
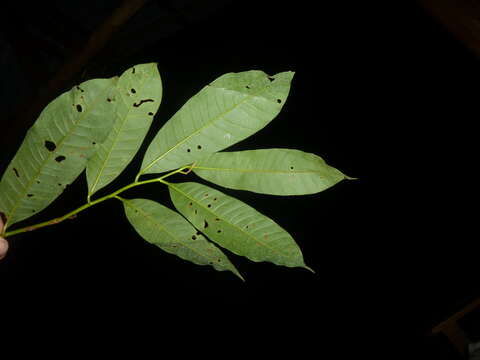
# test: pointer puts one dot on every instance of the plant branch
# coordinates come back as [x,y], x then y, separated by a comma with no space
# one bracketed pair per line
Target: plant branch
[72,214]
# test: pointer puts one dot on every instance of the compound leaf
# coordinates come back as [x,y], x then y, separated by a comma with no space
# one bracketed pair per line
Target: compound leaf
[56,148]
[269,171]
[138,96]
[168,230]
[234,225]
[230,109]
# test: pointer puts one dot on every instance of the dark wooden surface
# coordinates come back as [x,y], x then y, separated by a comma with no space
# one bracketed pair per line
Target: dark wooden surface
[460,17]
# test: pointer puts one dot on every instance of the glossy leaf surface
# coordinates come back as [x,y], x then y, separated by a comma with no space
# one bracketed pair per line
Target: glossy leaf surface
[138,97]
[269,171]
[169,231]
[230,109]
[234,225]
[56,148]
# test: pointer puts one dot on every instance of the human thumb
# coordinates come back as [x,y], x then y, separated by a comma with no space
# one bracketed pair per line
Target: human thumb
[3,248]
[3,242]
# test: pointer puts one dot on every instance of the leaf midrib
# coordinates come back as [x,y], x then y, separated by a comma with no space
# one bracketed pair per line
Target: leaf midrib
[54,153]
[162,228]
[258,171]
[209,123]
[228,222]
[115,140]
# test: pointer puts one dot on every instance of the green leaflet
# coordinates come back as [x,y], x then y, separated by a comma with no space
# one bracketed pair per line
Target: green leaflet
[234,225]
[230,109]
[269,171]
[138,96]
[172,233]
[56,148]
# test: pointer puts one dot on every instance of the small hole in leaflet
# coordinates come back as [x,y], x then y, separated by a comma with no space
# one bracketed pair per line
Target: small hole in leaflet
[190,204]
[133,71]
[194,237]
[59,184]
[109,100]
[195,211]
[16,172]
[271,78]
[219,231]
[279,101]
[209,205]
[217,219]
[246,227]
[214,199]
[29,195]
[199,147]
[94,143]
[38,181]
[79,108]
[248,87]
[60,158]
[291,167]
[50,145]
[133,91]
[205,224]
[142,102]
[188,150]
[150,113]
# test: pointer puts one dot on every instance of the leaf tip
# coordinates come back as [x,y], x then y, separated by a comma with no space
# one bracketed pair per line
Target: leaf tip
[240,276]
[288,74]
[235,272]
[309,269]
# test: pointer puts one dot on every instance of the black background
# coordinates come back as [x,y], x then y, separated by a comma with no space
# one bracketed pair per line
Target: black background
[381,91]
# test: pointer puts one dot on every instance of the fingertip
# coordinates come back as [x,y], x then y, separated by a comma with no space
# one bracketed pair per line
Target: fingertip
[3,247]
